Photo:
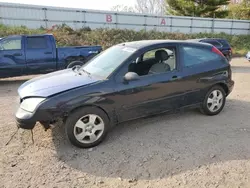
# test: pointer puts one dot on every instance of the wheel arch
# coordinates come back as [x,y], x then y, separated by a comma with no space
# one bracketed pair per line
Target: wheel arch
[70,59]
[111,116]
[224,86]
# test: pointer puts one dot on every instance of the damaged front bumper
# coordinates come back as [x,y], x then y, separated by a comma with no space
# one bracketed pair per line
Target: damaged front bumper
[25,119]
[28,120]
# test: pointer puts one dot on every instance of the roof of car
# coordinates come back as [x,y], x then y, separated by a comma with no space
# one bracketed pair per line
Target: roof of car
[146,43]
[34,35]
[199,39]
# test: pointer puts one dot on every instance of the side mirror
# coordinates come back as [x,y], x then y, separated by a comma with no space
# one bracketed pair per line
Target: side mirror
[137,60]
[131,76]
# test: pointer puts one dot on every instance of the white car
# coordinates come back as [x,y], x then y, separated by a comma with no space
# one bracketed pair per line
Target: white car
[248,56]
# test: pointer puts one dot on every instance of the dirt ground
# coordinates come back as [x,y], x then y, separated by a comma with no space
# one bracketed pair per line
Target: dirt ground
[180,150]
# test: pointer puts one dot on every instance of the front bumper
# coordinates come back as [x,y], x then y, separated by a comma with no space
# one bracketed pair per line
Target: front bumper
[28,120]
[24,119]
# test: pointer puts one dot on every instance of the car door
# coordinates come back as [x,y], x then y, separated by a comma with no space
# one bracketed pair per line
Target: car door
[150,94]
[12,57]
[39,54]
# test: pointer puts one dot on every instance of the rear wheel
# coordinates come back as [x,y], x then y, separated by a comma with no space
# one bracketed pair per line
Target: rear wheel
[87,127]
[75,63]
[214,101]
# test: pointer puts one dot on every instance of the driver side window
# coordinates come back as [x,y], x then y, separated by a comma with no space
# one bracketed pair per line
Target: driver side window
[155,61]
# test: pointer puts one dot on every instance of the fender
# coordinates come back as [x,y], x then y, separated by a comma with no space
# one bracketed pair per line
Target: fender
[216,78]
[220,78]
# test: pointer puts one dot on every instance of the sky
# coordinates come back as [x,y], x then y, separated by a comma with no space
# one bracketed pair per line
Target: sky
[85,4]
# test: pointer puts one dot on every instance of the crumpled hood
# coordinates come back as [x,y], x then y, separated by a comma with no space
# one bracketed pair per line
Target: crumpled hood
[56,82]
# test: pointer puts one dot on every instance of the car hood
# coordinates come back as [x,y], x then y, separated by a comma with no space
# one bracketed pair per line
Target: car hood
[53,83]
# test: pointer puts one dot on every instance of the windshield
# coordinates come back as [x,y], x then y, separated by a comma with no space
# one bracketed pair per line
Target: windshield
[109,60]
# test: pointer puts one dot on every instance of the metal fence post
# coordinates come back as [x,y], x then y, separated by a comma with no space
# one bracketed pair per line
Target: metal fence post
[191,27]
[84,18]
[117,22]
[212,30]
[45,17]
[171,24]
[232,24]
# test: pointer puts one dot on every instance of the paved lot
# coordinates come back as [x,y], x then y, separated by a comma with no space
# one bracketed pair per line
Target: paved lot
[181,150]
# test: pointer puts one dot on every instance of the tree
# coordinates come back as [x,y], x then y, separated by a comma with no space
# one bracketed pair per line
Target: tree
[239,11]
[122,8]
[200,8]
[151,6]
[144,7]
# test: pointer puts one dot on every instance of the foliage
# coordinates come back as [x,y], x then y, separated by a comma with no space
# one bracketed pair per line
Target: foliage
[240,11]
[143,6]
[150,6]
[66,36]
[122,8]
[199,8]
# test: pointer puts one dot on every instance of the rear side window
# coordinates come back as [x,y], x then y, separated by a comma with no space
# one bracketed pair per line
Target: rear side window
[36,42]
[193,56]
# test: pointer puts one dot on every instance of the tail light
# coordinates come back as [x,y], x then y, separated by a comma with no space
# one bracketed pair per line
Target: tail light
[215,50]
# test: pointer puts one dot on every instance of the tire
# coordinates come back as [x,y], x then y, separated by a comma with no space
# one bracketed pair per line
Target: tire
[74,63]
[210,100]
[79,129]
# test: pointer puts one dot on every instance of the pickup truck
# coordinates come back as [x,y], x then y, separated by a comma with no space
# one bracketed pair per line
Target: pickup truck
[38,54]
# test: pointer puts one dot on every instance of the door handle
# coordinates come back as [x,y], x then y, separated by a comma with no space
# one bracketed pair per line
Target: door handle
[175,78]
[17,54]
[47,52]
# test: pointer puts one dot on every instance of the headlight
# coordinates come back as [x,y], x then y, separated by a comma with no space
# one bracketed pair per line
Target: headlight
[30,104]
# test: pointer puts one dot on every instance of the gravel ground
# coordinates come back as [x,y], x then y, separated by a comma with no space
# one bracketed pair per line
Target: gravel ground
[180,150]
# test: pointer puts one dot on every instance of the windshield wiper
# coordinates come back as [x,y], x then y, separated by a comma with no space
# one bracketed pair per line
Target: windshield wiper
[78,70]
[88,73]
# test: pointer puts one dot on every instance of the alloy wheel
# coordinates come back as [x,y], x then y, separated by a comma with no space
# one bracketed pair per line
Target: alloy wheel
[215,100]
[89,128]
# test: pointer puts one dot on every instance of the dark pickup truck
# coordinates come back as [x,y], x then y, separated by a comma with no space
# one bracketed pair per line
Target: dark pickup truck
[37,54]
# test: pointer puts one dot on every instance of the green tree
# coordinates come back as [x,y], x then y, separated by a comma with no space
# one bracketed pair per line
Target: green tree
[199,8]
[240,11]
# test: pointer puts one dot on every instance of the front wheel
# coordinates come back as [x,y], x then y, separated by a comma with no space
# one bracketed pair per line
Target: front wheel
[87,127]
[214,101]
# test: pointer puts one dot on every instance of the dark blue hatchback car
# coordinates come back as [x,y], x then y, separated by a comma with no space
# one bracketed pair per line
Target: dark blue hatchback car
[127,81]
